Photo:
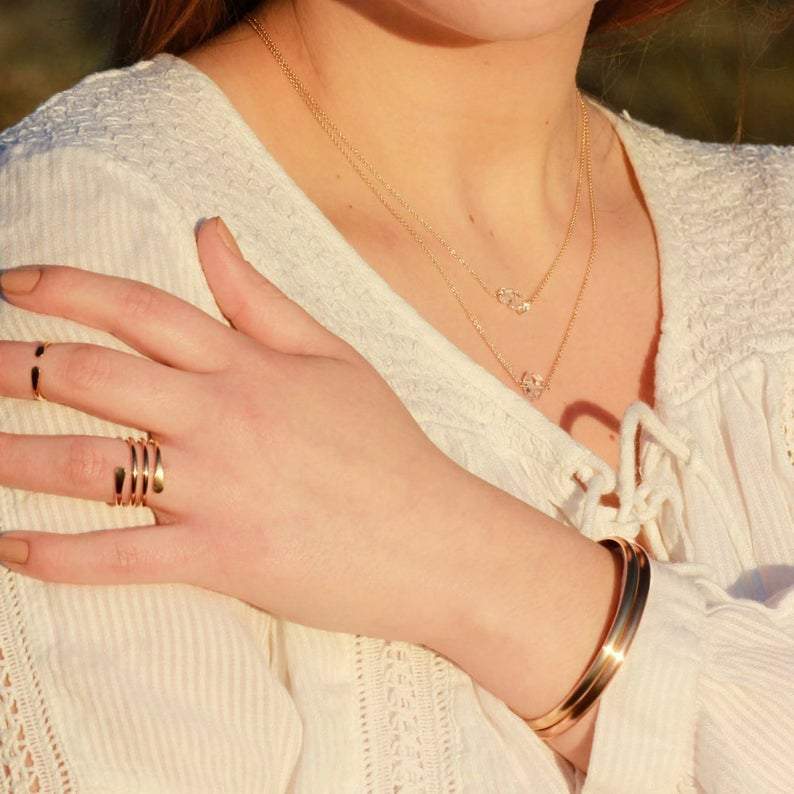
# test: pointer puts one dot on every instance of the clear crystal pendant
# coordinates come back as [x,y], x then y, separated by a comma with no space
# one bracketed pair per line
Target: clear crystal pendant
[513,299]
[533,385]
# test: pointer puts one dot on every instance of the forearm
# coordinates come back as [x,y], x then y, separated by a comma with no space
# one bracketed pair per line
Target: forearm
[529,602]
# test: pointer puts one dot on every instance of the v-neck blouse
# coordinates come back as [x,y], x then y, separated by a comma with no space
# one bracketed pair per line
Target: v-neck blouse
[168,688]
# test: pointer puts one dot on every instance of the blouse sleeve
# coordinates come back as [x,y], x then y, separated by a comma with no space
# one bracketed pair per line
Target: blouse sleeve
[705,699]
[136,688]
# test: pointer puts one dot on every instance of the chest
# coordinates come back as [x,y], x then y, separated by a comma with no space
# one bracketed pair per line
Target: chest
[607,360]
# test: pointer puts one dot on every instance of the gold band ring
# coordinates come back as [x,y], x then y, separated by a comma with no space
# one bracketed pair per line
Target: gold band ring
[148,474]
[35,372]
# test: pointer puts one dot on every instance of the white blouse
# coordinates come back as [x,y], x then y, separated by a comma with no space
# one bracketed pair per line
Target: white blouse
[170,688]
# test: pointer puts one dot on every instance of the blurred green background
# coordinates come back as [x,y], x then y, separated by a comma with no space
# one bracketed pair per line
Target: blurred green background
[716,70]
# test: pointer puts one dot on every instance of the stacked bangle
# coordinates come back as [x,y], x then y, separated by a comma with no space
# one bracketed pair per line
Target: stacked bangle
[635,582]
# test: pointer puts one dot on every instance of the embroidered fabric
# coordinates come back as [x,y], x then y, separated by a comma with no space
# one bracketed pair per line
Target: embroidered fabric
[787,416]
[30,756]
[391,677]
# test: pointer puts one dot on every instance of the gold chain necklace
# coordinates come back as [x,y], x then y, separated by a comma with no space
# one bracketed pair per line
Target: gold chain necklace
[511,298]
[533,385]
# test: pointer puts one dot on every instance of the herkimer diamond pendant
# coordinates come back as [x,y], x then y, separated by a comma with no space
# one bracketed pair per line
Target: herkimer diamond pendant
[533,385]
[513,299]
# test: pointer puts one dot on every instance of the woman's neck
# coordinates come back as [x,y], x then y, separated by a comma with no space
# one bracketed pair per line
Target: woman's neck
[480,136]
[494,123]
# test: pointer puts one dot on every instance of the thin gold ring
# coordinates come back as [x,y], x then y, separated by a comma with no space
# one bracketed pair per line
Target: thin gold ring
[159,472]
[35,372]
[133,499]
[145,485]
[119,473]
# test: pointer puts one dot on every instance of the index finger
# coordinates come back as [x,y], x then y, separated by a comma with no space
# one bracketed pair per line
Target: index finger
[160,325]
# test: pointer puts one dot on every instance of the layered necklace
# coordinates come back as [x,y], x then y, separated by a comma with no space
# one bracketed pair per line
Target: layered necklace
[532,384]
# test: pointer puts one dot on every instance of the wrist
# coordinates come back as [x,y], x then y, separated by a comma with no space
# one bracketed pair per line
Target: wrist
[529,601]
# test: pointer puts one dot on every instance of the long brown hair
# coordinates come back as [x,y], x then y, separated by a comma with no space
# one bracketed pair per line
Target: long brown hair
[147,27]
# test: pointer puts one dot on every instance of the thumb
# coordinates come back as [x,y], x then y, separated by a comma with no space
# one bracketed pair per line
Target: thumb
[254,305]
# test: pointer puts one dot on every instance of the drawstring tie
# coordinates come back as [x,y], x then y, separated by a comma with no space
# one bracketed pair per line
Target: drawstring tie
[641,504]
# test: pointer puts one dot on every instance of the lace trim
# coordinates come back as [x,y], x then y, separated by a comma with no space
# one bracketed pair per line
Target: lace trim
[405,718]
[788,409]
[30,757]
[447,733]
[364,717]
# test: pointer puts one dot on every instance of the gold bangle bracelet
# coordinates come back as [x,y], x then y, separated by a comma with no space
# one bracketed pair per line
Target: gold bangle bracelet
[605,656]
[616,651]
[635,582]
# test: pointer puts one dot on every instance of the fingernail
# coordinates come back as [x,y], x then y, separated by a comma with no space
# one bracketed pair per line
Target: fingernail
[13,550]
[20,280]
[226,236]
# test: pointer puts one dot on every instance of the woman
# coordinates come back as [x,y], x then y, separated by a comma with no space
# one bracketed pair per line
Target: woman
[367,558]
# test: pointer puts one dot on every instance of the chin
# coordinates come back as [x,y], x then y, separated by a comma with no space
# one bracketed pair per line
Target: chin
[499,20]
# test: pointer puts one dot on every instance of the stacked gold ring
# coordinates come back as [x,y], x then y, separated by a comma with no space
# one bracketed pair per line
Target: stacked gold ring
[154,474]
[635,583]
[35,372]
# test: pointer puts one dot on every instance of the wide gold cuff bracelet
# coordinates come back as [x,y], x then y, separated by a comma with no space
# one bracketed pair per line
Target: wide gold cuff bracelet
[635,582]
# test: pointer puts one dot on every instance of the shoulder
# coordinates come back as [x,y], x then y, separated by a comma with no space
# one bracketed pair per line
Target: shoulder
[139,123]
[713,192]
[124,153]
[724,219]
[682,160]
[93,177]
[120,112]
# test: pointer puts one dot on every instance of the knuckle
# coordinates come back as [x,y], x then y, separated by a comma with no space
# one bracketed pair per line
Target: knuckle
[84,464]
[239,309]
[209,404]
[138,300]
[86,367]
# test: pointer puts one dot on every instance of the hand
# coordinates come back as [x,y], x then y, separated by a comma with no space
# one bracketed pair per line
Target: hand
[295,479]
